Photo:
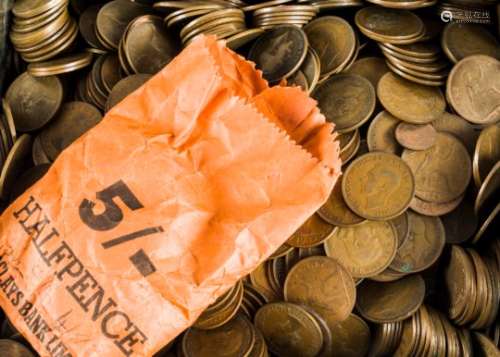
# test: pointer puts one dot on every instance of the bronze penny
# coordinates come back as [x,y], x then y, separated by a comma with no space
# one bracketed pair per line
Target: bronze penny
[313,232]
[372,68]
[347,100]
[394,26]
[458,127]
[34,101]
[425,79]
[110,73]
[459,275]
[350,151]
[436,66]
[484,346]
[388,275]
[472,91]
[327,348]
[402,227]
[298,79]
[408,101]
[391,301]
[336,211]
[259,348]
[381,134]
[416,136]
[331,290]
[16,162]
[487,224]
[419,49]
[14,349]
[351,337]
[38,155]
[86,24]
[242,38]
[461,223]
[422,247]
[392,54]
[434,208]
[378,186]
[460,40]
[334,40]
[442,172]
[73,120]
[9,121]
[486,153]
[364,250]
[124,87]
[235,338]
[289,330]
[260,281]
[489,190]
[61,65]
[114,17]
[279,52]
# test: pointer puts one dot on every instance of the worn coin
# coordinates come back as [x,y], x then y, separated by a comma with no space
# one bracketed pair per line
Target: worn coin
[416,136]
[418,50]
[14,349]
[460,40]
[86,24]
[423,245]
[489,192]
[372,68]
[434,208]
[484,346]
[486,153]
[458,277]
[378,186]
[351,337]
[381,133]
[38,155]
[61,65]
[313,232]
[336,211]
[424,79]
[391,301]
[364,250]
[334,40]
[279,52]
[402,227]
[458,127]
[331,290]
[409,101]
[327,348]
[242,38]
[289,330]
[347,100]
[461,223]
[442,172]
[298,79]
[472,89]
[260,281]
[124,87]
[73,120]
[34,101]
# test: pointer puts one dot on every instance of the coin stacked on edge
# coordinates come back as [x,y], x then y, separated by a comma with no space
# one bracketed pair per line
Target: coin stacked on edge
[403,258]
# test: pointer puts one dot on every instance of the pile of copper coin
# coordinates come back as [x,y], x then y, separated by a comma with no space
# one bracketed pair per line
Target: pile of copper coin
[404,257]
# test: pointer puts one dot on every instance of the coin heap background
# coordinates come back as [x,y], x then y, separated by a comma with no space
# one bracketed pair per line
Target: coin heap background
[404,257]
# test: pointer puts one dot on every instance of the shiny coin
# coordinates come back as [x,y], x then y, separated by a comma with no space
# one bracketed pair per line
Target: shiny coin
[289,330]
[381,134]
[124,87]
[416,136]
[237,336]
[336,211]
[264,4]
[351,337]
[364,250]
[459,128]
[486,153]
[408,101]
[313,232]
[388,25]
[466,93]
[34,101]
[460,40]
[331,290]
[334,40]
[372,68]
[14,349]
[378,186]
[17,161]
[391,301]
[347,100]
[422,247]
[279,52]
[73,120]
[61,65]
[442,172]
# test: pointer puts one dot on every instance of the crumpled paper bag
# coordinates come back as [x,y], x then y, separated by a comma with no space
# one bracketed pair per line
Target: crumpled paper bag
[184,188]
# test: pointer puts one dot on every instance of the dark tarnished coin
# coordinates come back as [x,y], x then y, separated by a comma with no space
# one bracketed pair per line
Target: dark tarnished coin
[389,25]
[460,40]
[442,172]
[311,69]
[391,301]
[17,161]
[233,339]
[86,24]
[242,38]
[489,192]
[423,245]
[351,337]
[336,211]
[9,348]
[28,179]
[124,87]
[298,79]
[408,101]
[472,89]
[110,72]
[378,186]
[313,232]
[372,68]
[331,289]
[486,153]
[34,101]
[347,100]
[364,250]
[114,17]
[279,52]
[484,347]
[38,155]
[9,121]
[381,133]
[334,40]
[73,120]
[416,136]
[458,127]
[289,330]
[402,227]
[461,223]
[148,47]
